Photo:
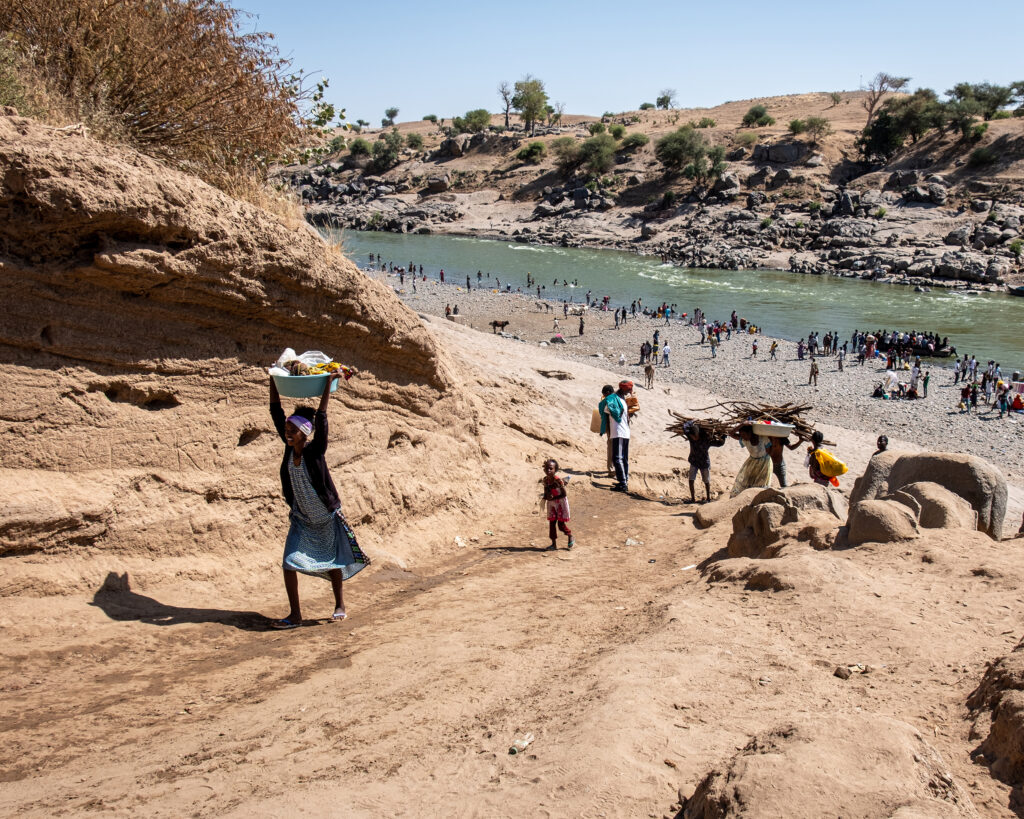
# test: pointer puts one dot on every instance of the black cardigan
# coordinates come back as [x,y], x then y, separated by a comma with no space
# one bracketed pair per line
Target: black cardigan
[312,455]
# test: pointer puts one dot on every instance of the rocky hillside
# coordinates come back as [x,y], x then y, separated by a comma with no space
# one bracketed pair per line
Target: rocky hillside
[932,216]
[141,308]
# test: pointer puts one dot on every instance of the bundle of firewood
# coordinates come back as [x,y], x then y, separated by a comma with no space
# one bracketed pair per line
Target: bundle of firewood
[732,414]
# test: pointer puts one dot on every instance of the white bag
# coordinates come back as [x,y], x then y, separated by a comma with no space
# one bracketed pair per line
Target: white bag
[310,358]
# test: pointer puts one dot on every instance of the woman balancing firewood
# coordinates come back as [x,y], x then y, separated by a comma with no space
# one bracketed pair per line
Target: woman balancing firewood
[320,541]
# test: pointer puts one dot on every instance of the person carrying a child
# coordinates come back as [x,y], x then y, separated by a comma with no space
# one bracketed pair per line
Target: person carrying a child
[557,504]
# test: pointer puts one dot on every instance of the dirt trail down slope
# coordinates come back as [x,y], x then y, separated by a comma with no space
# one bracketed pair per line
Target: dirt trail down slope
[637,676]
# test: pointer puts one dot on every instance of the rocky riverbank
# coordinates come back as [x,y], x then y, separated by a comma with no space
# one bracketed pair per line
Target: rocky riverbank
[842,398]
[931,219]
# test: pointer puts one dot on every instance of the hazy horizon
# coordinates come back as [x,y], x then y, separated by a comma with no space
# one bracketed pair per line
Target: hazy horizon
[595,57]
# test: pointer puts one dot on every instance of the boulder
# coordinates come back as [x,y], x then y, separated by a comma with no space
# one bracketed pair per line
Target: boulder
[881,521]
[755,199]
[453,147]
[816,161]
[960,236]
[724,508]
[937,193]
[903,179]
[976,481]
[916,193]
[438,184]
[940,508]
[804,512]
[648,231]
[736,154]
[727,185]
[759,177]
[847,203]
[782,152]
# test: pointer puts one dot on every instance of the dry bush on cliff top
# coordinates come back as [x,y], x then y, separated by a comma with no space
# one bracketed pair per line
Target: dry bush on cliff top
[175,79]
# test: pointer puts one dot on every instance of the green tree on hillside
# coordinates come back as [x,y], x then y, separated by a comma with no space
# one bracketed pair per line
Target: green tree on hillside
[817,128]
[387,150]
[567,154]
[989,98]
[529,100]
[757,116]
[687,151]
[389,117]
[475,121]
[666,98]
[597,154]
[634,141]
[647,106]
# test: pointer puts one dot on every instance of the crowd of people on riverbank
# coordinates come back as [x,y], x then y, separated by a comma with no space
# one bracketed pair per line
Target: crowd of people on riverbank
[901,351]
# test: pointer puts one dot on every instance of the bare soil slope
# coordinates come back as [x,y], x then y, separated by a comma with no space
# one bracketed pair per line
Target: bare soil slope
[141,308]
[656,674]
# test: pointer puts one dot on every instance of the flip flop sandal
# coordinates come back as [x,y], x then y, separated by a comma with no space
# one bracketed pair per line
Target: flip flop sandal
[572,542]
[283,624]
[339,617]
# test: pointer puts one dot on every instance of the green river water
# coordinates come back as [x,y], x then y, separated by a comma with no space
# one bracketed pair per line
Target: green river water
[786,305]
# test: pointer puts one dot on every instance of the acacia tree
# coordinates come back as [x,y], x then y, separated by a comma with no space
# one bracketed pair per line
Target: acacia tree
[667,98]
[990,98]
[880,85]
[530,100]
[506,93]
[389,117]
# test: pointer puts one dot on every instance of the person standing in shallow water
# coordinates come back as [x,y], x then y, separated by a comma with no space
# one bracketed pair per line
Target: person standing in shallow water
[320,542]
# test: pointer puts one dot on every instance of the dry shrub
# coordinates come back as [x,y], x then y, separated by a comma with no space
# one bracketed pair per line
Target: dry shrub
[177,79]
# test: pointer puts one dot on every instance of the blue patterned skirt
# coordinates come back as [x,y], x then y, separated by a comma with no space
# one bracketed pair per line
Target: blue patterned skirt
[316,549]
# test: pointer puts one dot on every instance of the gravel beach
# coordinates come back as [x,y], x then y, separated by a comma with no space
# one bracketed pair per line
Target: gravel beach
[841,398]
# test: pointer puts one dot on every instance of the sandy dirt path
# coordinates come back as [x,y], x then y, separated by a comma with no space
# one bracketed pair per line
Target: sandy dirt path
[636,677]
[634,674]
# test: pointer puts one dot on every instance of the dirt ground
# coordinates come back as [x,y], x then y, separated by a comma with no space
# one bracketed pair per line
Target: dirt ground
[634,671]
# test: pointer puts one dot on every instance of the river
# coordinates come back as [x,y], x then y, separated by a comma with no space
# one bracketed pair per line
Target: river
[786,305]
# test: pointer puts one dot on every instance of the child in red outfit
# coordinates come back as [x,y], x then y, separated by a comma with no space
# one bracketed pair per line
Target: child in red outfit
[557,504]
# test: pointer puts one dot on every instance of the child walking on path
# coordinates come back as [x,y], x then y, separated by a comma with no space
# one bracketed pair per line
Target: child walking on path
[557,504]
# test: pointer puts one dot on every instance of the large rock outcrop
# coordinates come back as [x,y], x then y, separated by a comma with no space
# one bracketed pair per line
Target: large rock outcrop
[975,481]
[804,512]
[141,308]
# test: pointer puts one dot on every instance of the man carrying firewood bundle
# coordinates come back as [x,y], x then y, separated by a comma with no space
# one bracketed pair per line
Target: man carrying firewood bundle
[700,440]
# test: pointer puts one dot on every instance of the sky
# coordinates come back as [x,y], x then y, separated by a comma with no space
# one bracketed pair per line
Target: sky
[597,56]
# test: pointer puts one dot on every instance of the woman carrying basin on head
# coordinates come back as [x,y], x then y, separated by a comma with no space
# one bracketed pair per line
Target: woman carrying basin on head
[320,541]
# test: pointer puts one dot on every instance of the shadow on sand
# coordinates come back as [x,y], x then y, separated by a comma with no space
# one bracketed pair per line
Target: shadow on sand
[119,602]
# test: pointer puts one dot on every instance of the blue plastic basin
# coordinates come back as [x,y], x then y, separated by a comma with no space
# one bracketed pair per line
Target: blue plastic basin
[302,386]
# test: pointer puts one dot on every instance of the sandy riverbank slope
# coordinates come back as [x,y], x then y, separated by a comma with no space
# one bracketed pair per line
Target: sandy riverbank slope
[138,673]
[636,673]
